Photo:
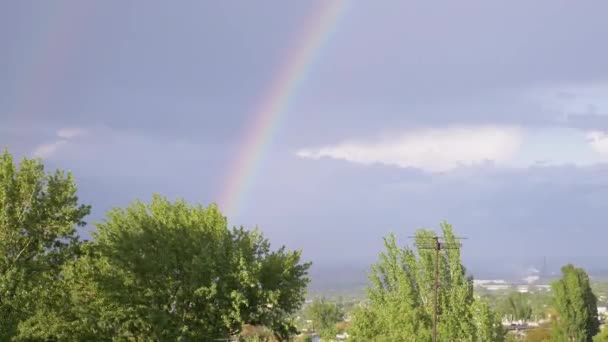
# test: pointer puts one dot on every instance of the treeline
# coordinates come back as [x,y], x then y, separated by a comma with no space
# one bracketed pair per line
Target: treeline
[158,271]
[400,300]
[171,271]
[401,297]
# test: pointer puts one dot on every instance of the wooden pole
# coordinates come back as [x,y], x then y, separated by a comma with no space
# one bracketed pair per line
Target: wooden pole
[437,248]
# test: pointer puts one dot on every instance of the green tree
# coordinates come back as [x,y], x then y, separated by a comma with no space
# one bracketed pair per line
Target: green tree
[602,336]
[366,324]
[487,323]
[541,333]
[540,302]
[324,316]
[38,215]
[516,307]
[401,297]
[169,271]
[576,306]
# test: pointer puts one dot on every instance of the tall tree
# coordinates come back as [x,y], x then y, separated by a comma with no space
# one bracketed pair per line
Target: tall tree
[401,296]
[324,316]
[516,307]
[38,215]
[168,271]
[576,306]
[488,325]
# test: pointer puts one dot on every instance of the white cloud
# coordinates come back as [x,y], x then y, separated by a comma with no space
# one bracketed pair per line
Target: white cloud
[70,132]
[64,136]
[47,150]
[434,150]
[598,141]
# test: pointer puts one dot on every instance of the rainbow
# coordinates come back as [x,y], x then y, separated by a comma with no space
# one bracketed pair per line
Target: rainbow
[266,118]
[50,58]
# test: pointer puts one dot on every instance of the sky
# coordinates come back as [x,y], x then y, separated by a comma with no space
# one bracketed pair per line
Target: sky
[492,116]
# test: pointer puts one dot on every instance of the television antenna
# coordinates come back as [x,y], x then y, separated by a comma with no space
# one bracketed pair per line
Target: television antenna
[436,243]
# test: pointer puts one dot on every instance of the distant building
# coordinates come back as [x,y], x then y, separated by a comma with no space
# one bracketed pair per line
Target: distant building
[501,285]
[342,337]
[480,282]
[491,284]
[495,287]
[543,287]
[531,279]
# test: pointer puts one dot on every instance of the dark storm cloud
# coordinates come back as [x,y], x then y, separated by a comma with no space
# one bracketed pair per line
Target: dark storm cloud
[508,214]
[198,70]
[166,90]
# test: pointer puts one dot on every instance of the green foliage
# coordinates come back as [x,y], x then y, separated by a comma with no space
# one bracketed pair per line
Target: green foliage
[541,333]
[367,324]
[540,302]
[324,316]
[252,333]
[576,306]
[401,297]
[600,288]
[38,215]
[172,272]
[487,323]
[516,307]
[507,303]
[304,338]
[602,336]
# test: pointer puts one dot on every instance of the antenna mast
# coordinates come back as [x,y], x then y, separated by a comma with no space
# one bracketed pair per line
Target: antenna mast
[436,243]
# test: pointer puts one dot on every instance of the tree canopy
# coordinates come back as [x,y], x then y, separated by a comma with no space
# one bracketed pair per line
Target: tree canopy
[516,307]
[158,271]
[576,306]
[38,215]
[401,297]
[602,336]
[324,316]
[171,271]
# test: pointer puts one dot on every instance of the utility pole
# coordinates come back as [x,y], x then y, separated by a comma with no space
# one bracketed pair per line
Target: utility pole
[435,243]
[437,248]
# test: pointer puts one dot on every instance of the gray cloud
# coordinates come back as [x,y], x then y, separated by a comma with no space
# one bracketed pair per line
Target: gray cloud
[165,92]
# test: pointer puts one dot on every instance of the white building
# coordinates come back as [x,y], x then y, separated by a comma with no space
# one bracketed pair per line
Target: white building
[342,337]
[481,282]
